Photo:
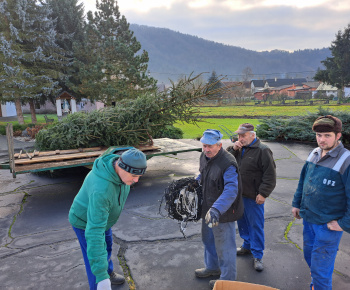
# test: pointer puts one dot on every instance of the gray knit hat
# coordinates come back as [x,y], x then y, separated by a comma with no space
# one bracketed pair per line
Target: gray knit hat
[133,161]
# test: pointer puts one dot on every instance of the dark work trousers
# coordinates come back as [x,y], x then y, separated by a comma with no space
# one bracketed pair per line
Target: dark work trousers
[82,241]
[251,227]
[320,250]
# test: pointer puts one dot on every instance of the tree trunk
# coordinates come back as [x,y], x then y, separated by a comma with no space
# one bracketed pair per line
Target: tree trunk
[19,111]
[32,111]
[340,95]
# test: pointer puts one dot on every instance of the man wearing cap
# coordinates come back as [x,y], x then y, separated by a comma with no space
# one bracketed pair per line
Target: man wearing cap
[222,206]
[96,208]
[258,171]
[322,200]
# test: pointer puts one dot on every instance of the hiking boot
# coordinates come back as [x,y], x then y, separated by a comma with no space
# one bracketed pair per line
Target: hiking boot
[243,251]
[204,273]
[258,265]
[212,283]
[116,279]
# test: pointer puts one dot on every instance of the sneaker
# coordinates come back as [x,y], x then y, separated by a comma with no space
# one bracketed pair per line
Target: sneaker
[204,273]
[212,283]
[116,279]
[258,265]
[243,251]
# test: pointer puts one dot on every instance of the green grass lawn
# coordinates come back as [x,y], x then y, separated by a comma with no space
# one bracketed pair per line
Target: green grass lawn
[28,120]
[193,131]
[257,111]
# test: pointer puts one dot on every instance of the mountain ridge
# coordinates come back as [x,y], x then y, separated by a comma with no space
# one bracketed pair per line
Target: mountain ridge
[174,54]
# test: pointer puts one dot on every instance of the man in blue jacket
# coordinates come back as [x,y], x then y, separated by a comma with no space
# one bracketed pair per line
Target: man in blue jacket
[222,206]
[322,199]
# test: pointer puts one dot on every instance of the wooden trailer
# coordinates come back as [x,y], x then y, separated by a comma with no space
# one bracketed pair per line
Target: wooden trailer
[36,161]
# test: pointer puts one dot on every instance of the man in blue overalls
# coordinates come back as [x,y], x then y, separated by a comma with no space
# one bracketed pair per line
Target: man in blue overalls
[322,200]
[258,171]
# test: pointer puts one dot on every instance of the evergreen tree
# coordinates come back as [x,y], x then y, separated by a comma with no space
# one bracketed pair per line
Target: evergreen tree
[69,16]
[31,58]
[69,26]
[337,67]
[111,66]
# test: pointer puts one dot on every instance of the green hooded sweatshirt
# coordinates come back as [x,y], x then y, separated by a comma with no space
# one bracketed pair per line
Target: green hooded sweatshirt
[96,208]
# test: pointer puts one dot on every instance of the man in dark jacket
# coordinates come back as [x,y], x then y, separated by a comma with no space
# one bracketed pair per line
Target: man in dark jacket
[258,171]
[222,206]
[322,200]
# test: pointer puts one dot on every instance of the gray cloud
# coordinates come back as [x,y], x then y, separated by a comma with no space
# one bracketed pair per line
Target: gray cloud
[260,28]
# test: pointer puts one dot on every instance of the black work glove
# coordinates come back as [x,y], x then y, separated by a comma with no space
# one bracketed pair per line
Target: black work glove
[212,217]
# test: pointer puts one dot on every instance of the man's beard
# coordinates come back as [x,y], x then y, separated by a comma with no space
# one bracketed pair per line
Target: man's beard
[329,148]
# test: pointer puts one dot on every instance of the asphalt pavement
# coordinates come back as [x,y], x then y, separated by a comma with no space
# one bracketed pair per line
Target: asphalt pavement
[39,250]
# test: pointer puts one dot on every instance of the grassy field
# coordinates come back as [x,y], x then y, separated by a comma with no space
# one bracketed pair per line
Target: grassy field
[256,111]
[28,120]
[193,131]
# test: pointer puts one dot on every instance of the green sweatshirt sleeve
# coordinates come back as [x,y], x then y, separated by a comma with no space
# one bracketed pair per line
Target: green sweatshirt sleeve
[97,217]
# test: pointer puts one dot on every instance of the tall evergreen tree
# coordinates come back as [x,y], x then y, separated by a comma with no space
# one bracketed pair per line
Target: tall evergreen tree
[31,57]
[337,67]
[69,26]
[69,17]
[111,66]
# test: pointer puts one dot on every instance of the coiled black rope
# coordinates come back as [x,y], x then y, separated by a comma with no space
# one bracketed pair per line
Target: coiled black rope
[182,201]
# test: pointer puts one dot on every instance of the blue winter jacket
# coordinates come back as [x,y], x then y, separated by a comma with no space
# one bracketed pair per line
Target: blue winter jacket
[323,192]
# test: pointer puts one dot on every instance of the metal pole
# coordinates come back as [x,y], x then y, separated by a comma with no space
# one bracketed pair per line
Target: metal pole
[9,136]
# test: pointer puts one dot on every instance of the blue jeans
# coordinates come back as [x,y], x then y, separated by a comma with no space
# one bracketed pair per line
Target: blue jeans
[82,241]
[220,249]
[320,250]
[251,227]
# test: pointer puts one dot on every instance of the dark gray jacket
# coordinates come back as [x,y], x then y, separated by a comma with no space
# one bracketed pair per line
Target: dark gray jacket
[257,168]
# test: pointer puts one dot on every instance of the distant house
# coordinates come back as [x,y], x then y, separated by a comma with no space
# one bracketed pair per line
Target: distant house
[256,85]
[311,85]
[326,90]
[292,88]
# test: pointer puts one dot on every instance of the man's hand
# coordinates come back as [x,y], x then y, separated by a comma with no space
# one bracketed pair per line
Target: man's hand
[295,212]
[104,285]
[260,199]
[237,145]
[334,226]
[212,217]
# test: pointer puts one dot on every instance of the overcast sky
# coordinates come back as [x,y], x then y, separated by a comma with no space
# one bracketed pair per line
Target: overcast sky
[252,24]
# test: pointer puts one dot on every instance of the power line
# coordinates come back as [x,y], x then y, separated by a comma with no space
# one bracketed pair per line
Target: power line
[235,75]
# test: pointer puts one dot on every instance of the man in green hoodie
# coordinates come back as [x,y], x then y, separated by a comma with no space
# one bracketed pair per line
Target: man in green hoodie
[97,207]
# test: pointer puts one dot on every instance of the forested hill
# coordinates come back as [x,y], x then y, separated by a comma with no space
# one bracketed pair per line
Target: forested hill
[173,54]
